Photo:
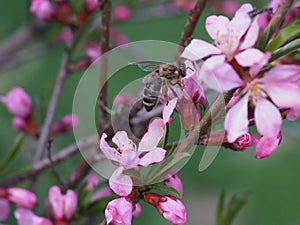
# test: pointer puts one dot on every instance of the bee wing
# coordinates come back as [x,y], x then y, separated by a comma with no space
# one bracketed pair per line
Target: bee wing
[151,77]
[147,66]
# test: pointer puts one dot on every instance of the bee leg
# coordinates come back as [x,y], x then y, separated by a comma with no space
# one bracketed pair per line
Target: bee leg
[165,91]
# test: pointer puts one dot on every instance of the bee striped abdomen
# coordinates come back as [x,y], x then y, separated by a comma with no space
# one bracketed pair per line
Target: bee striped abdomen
[151,93]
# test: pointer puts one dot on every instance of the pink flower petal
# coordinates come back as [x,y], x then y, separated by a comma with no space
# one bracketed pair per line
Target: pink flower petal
[223,78]
[137,211]
[56,200]
[101,193]
[251,35]
[215,25]
[129,159]
[106,149]
[267,118]
[175,182]
[22,197]
[245,8]
[173,211]
[239,25]
[266,146]
[236,120]
[284,95]
[70,204]
[119,212]
[155,155]
[122,141]
[4,209]
[256,67]
[168,110]
[283,73]
[26,217]
[199,49]
[249,57]
[293,114]
[119,183]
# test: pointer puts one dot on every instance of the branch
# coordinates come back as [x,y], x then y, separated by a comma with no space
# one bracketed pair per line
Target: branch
[277,19]
[190,25]
[44,164]
[62,74]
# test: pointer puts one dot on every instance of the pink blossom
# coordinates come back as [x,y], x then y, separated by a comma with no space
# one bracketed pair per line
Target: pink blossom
[118,37]
[93,50]
[63,205]
[233,40]
[4,209]
[18,102]
[119,212]
[185,5]
[266,146]
[65,124]
[172,210]
[42,9]
[129,156]
[91,5]
[26,217]
[21,197]
[174,181]
[101,193]
[92,180]
[122,13]
[19,124]
[168,110]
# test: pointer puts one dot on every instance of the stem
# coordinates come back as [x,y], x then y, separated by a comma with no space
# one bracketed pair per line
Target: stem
[276,20]
[44,164]
[190,25]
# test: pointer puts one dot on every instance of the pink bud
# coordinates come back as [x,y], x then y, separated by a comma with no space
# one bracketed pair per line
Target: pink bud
[65,124]
[195,91]
[91,6]
[172,210]
[42,9]
[137,211]
[26,217]
[4,209]
[122,13]
[18,102]
[119,211]
[65,35]
[117,37]
[93,50]
[19,124]
[21,197]
[92,180]
[63,205]
[101,193]
[174,181]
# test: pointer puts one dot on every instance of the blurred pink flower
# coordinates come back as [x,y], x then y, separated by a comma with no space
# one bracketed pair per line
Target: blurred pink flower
[42,9]
[123,100]
[185,5]
[129,156]
[4,209]
[18,102]
[92,180]
[93,50]
[172,210]
[233,40]
[26,217]
[91,6]
[63,205]
[21,197]
[65,35]
[229,7]
[118,37]
[119,211]
[101,193]
[65,124]
[19,124]
[122,13]
[174,181]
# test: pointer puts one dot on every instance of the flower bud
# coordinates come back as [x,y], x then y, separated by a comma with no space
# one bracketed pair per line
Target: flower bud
[4,209]
[122,13]
[42,9]
[91,6]
[101,193]
[92,180]
[21,197]
[119,211]
[172,210]
[175,182]
[63,205]
[266,146]
[26,217]
[65,124]
[18,102]
[137,211]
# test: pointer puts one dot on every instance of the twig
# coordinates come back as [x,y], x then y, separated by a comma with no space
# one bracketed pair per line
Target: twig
[190,25]
[62,74]
[105,31]
[277,20]
[40,166]
[52,167]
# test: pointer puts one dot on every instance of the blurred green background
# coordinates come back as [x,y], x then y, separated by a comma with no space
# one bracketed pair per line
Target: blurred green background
[274,182]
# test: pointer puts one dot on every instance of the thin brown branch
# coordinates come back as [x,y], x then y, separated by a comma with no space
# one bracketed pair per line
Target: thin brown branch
[190,25]
[44,164]
[277,19]
[62,74]
[105,31]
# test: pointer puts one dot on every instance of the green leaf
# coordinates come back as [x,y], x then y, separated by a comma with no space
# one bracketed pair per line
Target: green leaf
[166,190]
[131,173]
[286,49]
[165,140]
[235,205]
[13,153]
[286,34]
[221,206]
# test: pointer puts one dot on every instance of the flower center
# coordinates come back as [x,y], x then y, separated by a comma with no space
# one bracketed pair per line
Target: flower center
[256,91]
[129,146]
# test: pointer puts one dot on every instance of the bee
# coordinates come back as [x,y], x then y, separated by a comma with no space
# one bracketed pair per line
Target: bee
[161,77]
